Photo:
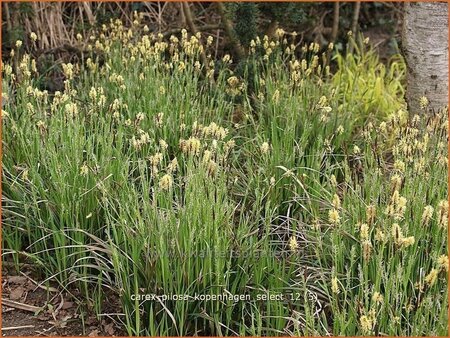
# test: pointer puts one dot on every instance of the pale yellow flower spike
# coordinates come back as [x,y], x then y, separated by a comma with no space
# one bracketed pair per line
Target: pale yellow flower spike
[293,244]
[166,182]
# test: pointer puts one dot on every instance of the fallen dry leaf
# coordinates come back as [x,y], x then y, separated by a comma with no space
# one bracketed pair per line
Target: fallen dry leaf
[94,333]
[16,293]
[17,279]
[60,323]
[109,329]
[67,305]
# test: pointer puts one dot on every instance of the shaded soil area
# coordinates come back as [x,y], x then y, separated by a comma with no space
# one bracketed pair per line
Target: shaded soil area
[30,308]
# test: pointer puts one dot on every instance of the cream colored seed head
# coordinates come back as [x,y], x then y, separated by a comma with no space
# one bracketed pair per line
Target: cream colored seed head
[293,244]
[207,156]
[336,201]
[333,181]
[84,170]
[265,147]
[279,33]
[443,262]
[166,182]
[335,285]
[173,166]
[431,278]
[370,214]
[367,249]
[379,235]
[276,96]
[190,146]
[399,165]
[407,241]
[366,323]
[396,181]
[397,233]
[423,102]
[364,231]
[427,214]
[139,117]
[212,168]
[377,297]
[163,144]
[156,159]
[333,217]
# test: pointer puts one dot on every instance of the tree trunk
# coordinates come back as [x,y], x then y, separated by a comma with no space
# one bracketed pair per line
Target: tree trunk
[228,28]
[425,45]
[335,30]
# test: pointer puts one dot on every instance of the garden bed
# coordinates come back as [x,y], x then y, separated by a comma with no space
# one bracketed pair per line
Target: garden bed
[177,184]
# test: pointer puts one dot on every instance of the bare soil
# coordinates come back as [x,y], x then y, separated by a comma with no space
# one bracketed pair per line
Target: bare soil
[45,310]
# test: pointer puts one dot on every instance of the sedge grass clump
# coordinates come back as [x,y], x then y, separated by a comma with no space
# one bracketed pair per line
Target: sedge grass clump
[159,172]
[389,263]
[367,86]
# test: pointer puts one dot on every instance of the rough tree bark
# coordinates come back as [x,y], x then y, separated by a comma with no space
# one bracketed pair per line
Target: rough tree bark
[228,28]
[425,45]
[335,29]
[356,17]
